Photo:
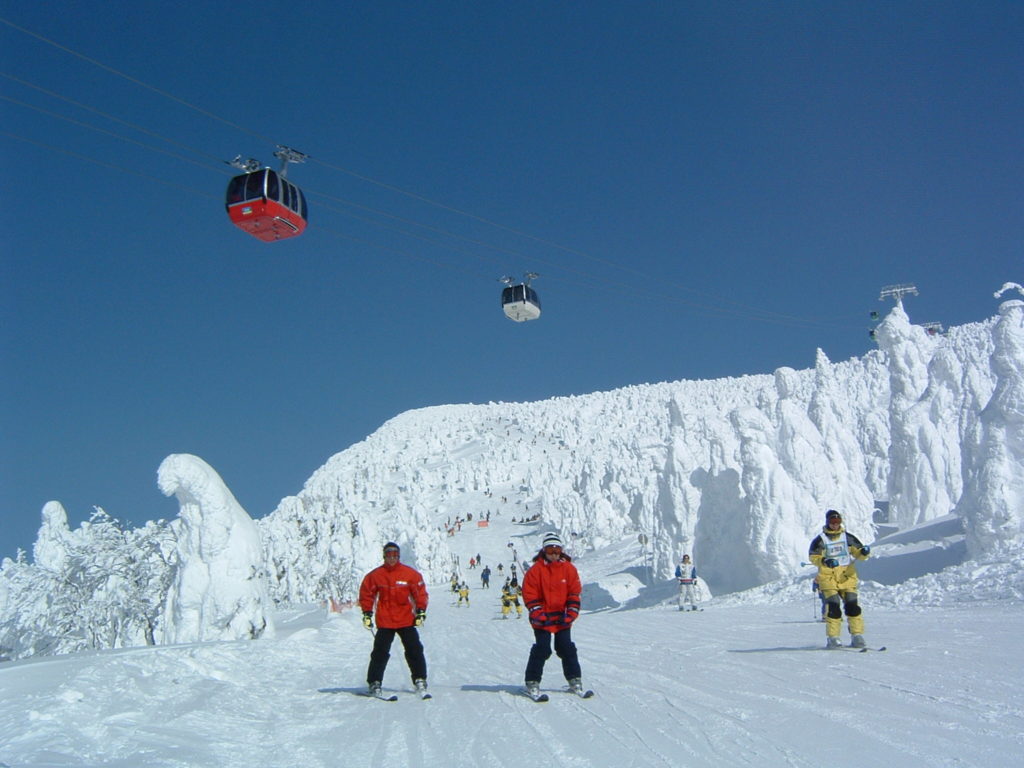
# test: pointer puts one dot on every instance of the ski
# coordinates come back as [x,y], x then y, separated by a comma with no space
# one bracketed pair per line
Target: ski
[582,694]
[381,696]
[851,649]
[538,697]
[424,695]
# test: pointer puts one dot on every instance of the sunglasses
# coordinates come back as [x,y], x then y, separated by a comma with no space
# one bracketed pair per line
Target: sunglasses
[553,550]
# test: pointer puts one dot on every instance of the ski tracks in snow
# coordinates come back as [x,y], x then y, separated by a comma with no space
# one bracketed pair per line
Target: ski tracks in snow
[730,686]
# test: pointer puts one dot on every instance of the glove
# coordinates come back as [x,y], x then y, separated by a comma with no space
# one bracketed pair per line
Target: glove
[368,619]
[865,550]
[421,616]
[570,617]
[830,562]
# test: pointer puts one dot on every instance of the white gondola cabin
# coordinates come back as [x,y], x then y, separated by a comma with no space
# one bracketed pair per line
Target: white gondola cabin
[520,302]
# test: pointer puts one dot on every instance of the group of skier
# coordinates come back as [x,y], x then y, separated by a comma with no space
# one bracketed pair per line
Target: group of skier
[396,597]
[834,552]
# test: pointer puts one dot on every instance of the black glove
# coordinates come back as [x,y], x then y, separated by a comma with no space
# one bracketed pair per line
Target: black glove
[830,562]
[865,550]
[421,616]
[368,619]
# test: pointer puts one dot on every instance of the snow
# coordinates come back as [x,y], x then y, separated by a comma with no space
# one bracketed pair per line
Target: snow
[743,683]
[219,590]
[162,646]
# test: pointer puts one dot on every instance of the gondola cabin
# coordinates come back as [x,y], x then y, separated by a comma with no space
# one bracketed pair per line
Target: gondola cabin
[520,303]
[266,205]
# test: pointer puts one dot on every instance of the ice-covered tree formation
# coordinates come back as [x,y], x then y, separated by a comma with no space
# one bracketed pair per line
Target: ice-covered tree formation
[219,586]
[994,503]
[101,586]
[737,472]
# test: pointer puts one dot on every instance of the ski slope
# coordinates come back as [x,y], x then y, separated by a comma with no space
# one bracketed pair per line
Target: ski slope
[743,683]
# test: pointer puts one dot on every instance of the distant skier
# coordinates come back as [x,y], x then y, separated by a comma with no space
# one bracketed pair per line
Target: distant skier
[552,591]
[509,598]
[485,577]
[686,574]
[463,594]
[399,596]
[834,551]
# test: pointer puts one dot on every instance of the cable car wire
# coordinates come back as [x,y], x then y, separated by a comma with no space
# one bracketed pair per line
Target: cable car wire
[741,308]
[117,136]
[105,164]
[135,80]
[108,116]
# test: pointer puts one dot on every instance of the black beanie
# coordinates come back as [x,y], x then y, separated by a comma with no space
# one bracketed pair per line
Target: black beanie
[392,545]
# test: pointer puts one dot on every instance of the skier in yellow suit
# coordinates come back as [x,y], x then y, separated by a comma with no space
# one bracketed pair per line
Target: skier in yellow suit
[834,551]
[509,597]
[463,594]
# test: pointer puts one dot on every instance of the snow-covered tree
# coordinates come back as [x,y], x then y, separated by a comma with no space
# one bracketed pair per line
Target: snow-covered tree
[994,504]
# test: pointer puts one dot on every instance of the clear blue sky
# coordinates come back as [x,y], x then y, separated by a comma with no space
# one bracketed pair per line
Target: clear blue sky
[707,190]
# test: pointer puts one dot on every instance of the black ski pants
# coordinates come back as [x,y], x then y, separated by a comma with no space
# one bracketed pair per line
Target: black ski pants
[541,651]
[382,652]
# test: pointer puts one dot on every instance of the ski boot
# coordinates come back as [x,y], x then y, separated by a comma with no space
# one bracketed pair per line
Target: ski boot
[833,644]
[576,686]
[533,688]
[857,641]
[373,689]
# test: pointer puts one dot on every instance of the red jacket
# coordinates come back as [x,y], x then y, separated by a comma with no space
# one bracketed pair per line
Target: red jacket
[394,593]
[551,592]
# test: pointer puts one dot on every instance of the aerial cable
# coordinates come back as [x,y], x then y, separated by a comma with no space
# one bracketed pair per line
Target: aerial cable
[398,251]
[755,312]
[583,277]
[103,131]
[615,287]
[108,116]
[138,82]
[105,164]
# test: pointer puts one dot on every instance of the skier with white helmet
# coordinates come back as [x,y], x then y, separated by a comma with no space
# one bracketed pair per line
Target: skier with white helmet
[551,591]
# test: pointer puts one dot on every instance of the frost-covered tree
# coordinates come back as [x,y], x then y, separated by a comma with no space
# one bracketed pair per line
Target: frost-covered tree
[994,502]
[101,586]
[219,589]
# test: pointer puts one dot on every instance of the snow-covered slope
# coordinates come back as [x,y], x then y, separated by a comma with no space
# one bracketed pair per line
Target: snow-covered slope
[736,471]
[744,682]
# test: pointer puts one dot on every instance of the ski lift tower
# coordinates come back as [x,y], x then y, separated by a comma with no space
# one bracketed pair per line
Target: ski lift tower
[897,292]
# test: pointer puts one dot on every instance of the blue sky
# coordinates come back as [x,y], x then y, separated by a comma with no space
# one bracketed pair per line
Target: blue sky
[706,190]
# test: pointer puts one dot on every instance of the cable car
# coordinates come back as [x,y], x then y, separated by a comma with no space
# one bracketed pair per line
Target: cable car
[520,302]
[264,203]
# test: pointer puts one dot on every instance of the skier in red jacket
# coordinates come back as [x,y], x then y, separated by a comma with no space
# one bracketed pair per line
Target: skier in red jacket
[551,591]
[400,598]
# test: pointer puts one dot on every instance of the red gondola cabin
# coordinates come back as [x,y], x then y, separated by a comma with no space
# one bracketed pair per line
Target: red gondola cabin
[266,205]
